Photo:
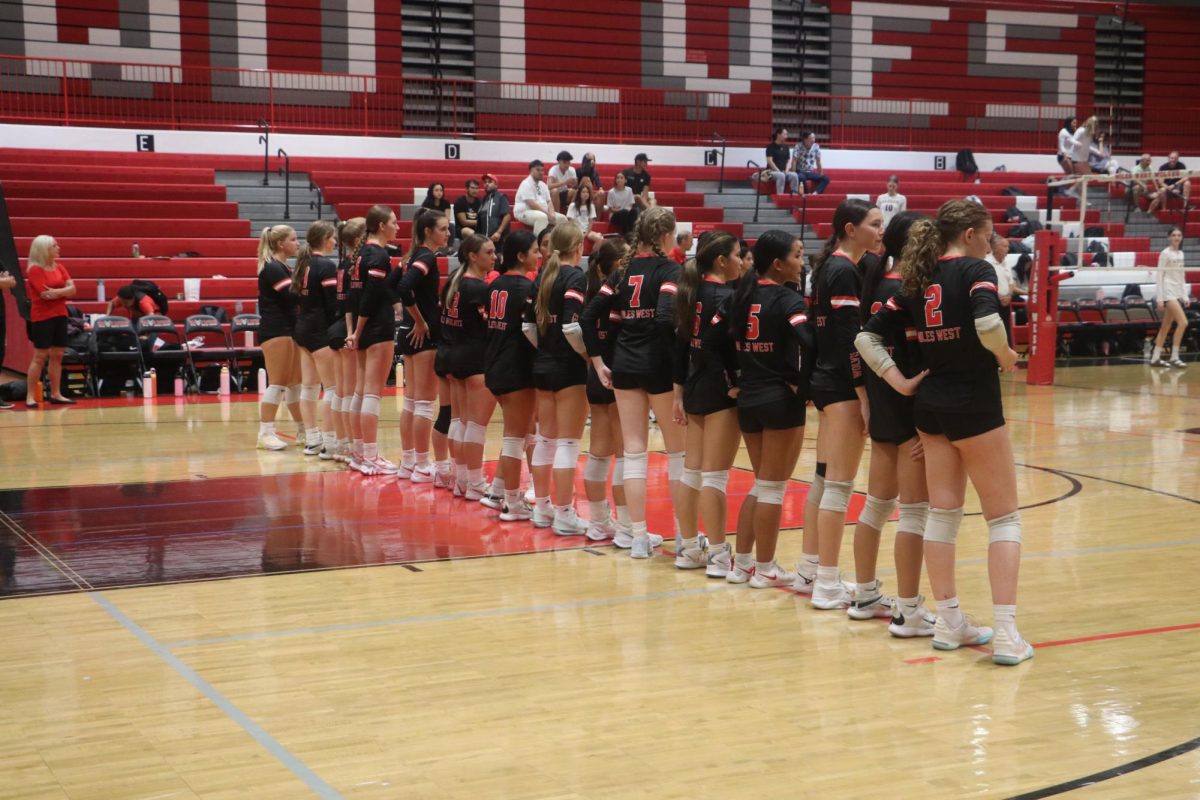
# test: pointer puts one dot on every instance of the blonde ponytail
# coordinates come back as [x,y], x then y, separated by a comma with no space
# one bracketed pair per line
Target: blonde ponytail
[565,239]
[269,241]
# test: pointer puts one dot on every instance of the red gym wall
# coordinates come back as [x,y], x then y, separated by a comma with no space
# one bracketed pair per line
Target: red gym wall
[680,69]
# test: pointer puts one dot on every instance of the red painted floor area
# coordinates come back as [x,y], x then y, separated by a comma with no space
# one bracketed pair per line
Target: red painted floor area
[138,534]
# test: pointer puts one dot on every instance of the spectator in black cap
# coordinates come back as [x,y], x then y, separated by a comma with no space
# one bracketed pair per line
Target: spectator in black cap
[638,180]
[561,180]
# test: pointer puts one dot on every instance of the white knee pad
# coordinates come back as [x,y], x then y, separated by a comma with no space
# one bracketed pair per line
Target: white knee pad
[635,466]
[1005,529]
[513,447]
[370,405]
[423,409]
[596,469]
[717,479]
[753,493]
[912,518]
[407,404]
[356,403]
[273,394]
[674,466]
[455,434]
[835,495]
[334,401]
[292,394]
[770,492]
[817,488]
[943,524]
[691,478]
[543,452]
[475,433]
[308,391]
[876,512]
[618,478]
[566,454]
[329,396]
[530,441]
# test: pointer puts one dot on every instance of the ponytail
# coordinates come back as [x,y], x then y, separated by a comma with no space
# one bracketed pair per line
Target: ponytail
[303,260]
[566,239]
[772,246]
[471,245]
[269,241]
[929,238]
[601,263]
[711,246]
[851,211]
[894,240]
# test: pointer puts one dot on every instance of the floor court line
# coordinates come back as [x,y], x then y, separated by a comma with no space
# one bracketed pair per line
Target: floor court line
[1114,772]
[285,757]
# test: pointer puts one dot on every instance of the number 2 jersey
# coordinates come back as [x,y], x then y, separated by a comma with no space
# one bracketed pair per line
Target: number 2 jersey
[962,372]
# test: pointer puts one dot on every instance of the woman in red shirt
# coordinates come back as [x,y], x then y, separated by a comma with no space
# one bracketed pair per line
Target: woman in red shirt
[49,287]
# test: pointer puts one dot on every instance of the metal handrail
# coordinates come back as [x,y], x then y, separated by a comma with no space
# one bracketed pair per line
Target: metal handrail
[265,140]
[757,194]
[719,139]
[286,172]
[317,205]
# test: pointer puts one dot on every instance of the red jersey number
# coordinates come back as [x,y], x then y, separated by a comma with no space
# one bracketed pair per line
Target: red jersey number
[933,306]
[752,322]
[452,309]
[499,304]
[636,282]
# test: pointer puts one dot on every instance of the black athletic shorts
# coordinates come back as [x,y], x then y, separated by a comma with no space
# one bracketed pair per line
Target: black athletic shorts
[337,334]
[508,375]
[956,425]
[827,397]
[648,382]
[891,420]
[562,378]
[405,346]
[597,395]
[441,361]
[707,394]
[466,360]
[776,416]
[311,333]
[382,329]
[47,333]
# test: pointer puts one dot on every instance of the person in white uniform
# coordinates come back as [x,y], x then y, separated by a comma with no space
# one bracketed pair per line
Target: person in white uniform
[1171,295]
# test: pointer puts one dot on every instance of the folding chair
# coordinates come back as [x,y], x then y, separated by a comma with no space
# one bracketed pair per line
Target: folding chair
[164,349]
[248,354]
[116,348]
[216,350]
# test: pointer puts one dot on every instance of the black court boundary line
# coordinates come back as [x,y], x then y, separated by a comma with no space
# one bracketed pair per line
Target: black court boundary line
[1115,772]
[1123,483]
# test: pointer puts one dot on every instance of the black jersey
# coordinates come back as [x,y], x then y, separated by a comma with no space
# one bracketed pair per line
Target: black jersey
[509,355]
[277,303]
[642,298]
[554,352]
[342,296]
[835,311]
[373,267]
[962,372]
[418,285]
[892,412]
[464,323]
[318,297]
[774,350]
[699,368]
[354,288]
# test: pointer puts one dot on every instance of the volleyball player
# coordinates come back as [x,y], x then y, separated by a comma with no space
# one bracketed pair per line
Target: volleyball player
[559,376]
[710,413]
[417,290]
[897,471]
[445,437]
[315,281]
[1171,291]
[509,359]
[840,398]
[773,340]
[466,299]
[949,297]
[351,234]
[641,291]
[374,334]
[277,307]
[604,438]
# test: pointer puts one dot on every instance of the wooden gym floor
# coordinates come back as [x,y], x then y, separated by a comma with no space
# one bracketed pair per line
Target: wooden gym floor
[181,621]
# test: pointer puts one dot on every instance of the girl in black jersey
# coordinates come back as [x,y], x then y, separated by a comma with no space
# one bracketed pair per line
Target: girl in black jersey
[417,290]
[347,404]
[277,308]
[374,333]
[559,376]
[897,471]
[465,326]
[315,281]
[709,413]
[949,296]
[604,438]
[641,292]
[840,398]
[766,323]
[509,360]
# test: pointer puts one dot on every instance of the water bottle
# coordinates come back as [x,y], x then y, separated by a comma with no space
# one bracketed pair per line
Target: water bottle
[262,380]
[148,385]
[1146,349]
[179,383]
[224,388]
[137,251]
[100,291]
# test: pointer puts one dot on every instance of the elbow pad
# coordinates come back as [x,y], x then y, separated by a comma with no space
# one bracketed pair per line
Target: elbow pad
[991,332]
[531,332]
[870,347]
[574,336]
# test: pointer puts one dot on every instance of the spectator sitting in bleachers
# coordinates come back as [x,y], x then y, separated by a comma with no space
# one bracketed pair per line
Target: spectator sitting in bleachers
[807,160]
[1172,187]
[435,198]
[622,211]
[779,163]
[133,303]
[1100,159]
[495,213]
[1143,179]
[466,209]
[561,181]
[638,180]
[1065,144]
[583,212]
[683,243]
[892,202]
[588,173]
[533,200]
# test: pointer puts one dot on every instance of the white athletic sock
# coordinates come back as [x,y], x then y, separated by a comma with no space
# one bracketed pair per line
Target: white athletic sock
[808,565]
[422,459]
[639,530]
[370,450]
[744,560]
[908,603]
[474,477]
[542,503]
[497,488]
[408,458]
[598,510]
[356,447]
[1156,354]
[312,436]
[1174,353]
[266,428]
[948,610]
[1005,617]
[763,567]
[329,440]
[827,576]
[512,497]
[865,591]
[623,516]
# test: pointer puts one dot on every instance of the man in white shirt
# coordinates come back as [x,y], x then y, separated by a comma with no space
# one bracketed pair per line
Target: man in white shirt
[533,200]
[561,180]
